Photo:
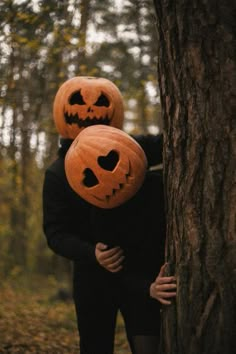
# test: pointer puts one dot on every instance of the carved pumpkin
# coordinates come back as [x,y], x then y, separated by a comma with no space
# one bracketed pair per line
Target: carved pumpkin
[105,166]
[84,101]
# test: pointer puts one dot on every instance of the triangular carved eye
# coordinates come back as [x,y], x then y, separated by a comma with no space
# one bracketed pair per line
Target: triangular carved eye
[76,98]
[109,161]
[90,180]
[102,101]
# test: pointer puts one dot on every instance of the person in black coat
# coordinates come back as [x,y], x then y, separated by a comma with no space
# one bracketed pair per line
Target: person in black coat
[117,254]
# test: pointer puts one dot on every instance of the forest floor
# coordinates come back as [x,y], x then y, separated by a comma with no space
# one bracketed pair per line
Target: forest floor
[34,319]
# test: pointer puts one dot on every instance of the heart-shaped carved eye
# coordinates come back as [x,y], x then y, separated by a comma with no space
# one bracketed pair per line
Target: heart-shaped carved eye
[90,180]
[110,161]
[76,98]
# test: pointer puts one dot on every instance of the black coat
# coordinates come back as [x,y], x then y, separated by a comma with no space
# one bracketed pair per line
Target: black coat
[73,227]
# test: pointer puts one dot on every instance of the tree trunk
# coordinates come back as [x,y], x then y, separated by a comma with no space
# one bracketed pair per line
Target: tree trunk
[83,29]
[197,81]
[142,109]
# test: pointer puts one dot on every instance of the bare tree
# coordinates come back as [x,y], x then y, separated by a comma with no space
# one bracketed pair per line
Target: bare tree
[197,81]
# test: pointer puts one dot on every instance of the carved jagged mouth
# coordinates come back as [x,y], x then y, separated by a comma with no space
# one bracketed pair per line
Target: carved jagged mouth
[82,123]
[129,180]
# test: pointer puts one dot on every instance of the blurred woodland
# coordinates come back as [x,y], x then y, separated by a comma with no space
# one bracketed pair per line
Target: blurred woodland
[42,44]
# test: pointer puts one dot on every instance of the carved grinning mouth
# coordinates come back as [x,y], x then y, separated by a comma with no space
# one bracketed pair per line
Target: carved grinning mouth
[82,123]
[114,192]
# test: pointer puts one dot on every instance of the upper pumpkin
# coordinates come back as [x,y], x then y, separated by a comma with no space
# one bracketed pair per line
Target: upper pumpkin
[84,101]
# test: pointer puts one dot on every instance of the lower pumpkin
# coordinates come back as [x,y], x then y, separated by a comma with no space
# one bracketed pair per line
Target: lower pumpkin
[105,166]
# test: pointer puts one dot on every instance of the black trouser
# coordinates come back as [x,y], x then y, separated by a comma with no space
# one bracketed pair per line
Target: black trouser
[98,296]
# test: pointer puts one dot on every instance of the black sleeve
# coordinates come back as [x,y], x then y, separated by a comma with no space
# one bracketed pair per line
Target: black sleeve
[66,230]
[139,282]
[136,284]
[152,146]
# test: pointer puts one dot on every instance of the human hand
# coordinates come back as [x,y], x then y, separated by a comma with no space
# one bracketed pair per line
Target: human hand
[163,287]
[110,259]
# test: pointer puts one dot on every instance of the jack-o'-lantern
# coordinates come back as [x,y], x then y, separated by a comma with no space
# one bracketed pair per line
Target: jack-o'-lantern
[105,166]
[83,101]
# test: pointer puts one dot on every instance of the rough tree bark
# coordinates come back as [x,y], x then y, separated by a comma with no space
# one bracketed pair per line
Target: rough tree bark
[197,81]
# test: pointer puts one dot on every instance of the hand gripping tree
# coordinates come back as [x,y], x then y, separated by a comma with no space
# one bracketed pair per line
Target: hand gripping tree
[196,68]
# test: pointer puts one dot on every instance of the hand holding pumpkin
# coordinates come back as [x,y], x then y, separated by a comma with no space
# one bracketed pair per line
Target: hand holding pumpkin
[163,288]
[110,259]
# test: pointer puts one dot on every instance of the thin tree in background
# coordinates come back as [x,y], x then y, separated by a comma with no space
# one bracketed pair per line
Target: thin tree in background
[197,81]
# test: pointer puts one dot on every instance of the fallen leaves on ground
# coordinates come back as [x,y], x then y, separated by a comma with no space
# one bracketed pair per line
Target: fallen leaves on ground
[34,322]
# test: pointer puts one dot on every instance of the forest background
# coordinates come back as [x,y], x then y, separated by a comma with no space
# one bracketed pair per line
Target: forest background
[42,44]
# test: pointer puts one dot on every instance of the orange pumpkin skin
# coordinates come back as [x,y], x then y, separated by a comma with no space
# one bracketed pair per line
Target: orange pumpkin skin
[105,166]
[83,101]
